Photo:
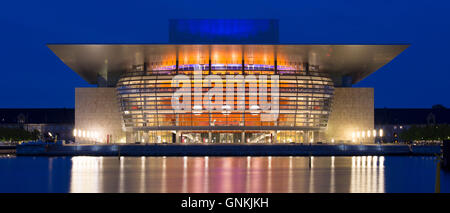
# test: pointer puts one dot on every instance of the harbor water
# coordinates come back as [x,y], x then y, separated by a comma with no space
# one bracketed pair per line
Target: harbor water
[374,174]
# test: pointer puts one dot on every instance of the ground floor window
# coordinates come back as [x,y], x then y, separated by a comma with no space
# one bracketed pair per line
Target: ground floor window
[226,137]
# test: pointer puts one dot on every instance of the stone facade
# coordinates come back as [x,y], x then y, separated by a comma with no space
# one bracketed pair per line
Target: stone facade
[97,110]
[352,110]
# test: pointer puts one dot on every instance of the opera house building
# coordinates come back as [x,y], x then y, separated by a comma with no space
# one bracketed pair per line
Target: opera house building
[308,87]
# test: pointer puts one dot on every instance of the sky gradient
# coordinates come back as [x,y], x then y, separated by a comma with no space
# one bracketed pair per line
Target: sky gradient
[33,77]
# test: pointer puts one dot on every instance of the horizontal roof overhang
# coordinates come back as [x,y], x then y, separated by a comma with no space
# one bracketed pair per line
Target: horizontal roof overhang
[357,61]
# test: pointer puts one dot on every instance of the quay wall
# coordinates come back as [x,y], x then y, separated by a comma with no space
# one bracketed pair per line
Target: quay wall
[224,150]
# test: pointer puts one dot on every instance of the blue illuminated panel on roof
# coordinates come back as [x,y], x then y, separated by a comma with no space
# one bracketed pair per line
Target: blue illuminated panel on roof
[223,31]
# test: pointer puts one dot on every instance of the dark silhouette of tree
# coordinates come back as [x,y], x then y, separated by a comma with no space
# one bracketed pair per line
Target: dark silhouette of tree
[428,132]
[438,106]
[17,134]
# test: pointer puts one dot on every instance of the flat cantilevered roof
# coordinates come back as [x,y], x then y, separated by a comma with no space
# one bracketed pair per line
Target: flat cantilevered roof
[357,61]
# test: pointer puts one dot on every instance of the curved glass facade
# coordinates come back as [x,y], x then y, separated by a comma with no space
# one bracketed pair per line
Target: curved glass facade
[145,94]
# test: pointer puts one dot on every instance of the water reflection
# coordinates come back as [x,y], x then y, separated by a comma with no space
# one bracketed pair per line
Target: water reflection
[367,174]
[227,174]
[86,174]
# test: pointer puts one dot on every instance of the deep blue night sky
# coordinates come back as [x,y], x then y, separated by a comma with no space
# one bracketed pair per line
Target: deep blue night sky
[32,76]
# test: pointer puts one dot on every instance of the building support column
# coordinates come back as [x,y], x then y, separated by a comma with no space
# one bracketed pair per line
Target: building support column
[308,141]
[275,67]
[177,62]
[209,136]
[274,136]
[311,137]
[178,136]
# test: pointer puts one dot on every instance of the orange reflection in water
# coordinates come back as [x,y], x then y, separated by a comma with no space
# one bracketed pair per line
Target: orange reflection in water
[227,174]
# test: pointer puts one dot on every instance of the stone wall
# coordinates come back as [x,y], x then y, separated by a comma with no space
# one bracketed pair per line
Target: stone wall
[352,110]
[97,110]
